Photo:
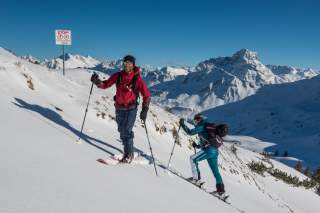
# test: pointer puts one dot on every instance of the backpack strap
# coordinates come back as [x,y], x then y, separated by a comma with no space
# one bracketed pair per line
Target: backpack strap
[119,79]
[132,85]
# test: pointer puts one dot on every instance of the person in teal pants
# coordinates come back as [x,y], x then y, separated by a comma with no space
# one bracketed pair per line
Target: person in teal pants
[208,152]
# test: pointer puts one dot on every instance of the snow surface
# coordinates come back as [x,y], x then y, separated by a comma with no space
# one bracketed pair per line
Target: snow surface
[45,170]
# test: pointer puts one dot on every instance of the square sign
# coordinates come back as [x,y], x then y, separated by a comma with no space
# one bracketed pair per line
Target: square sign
[63,37]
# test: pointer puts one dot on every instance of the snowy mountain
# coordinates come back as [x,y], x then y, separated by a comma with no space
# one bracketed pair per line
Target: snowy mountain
[109,66]
[45,170]
[31,59]
[151,75]
[215,82]
[291,74]
[243,65]
[222,80]
[71,62]
[164,74]
[286,114]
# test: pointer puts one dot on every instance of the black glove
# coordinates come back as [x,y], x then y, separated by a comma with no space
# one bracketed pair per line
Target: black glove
[181,122]
[95,79]
[196,146]
[143,113]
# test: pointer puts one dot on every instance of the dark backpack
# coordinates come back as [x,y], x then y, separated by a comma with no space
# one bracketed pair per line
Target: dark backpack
[215,133]
[132,85]
[222,130]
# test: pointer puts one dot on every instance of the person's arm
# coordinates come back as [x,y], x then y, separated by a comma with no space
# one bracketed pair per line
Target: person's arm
[143,89]
[109,82]
[193,131]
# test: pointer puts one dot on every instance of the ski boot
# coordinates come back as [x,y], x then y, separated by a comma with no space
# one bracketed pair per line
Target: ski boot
[196,182]
[127,158]
[220,192]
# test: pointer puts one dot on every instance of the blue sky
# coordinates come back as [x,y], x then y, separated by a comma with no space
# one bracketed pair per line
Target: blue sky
[172,32]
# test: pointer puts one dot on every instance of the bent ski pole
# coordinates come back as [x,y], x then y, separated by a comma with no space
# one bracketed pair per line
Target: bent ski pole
[154,163]
[85,114]
[174,144]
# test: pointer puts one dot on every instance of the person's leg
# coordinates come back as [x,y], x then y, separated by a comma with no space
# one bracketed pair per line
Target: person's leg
[121,118]
[213,164]
[194,160]
[129,134]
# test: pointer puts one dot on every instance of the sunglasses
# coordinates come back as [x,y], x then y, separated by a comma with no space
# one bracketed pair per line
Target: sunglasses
[127,62]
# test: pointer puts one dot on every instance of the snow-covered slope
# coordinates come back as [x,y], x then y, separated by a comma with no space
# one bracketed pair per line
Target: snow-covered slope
[45,170]
[71,62]
[286,114]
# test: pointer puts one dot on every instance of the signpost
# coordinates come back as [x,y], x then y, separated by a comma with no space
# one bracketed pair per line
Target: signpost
[63,37]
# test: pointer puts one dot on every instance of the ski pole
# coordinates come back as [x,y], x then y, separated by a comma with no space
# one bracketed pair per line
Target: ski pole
[85,114]
[174,144]
[154,164]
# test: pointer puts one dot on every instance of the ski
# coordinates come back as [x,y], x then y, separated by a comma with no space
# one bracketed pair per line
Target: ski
[108,161]
[198,184]
[115,160]
[224,197]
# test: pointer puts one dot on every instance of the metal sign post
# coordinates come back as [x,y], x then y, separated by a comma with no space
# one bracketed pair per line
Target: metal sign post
[63,60]
[63,37]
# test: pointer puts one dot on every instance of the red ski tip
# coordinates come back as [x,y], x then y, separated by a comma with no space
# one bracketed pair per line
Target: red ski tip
[101,161]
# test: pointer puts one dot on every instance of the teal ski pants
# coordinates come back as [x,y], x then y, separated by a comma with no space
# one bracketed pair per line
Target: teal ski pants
[211,155]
